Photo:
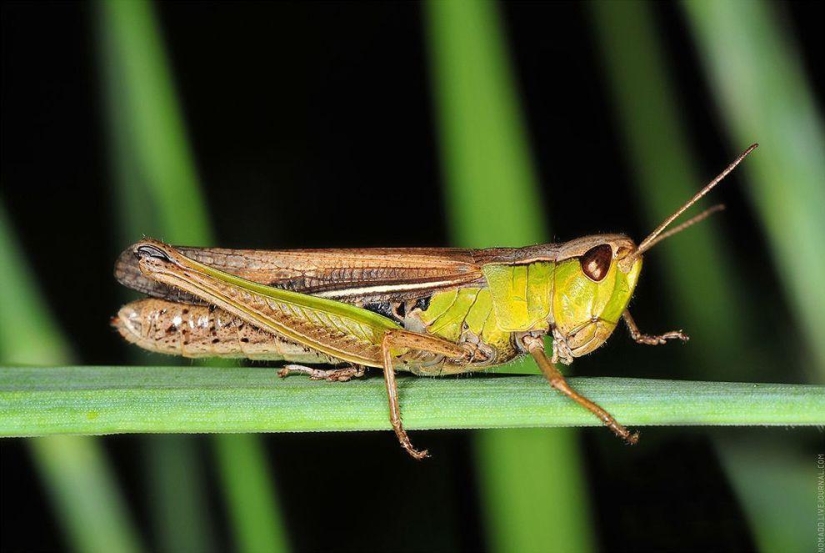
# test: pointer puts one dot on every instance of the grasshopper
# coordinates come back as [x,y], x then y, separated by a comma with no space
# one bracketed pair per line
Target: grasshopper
[429,311]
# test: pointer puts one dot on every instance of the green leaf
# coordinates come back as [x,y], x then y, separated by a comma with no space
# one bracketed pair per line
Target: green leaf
[248,487]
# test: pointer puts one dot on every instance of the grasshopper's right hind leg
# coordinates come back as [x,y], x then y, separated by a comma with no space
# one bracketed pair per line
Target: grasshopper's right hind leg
[395,340]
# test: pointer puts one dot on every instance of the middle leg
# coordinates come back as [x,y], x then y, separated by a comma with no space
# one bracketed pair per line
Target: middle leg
[330,375]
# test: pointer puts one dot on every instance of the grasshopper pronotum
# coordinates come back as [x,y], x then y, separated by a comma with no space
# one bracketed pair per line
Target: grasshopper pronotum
[429,311]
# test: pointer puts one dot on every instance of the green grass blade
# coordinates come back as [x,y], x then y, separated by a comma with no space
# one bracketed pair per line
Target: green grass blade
[75,470]
[763,94]
[151,151]
[104,400]
[492,200]
[508,449]
[772,489]
[28,333]
[491,185]
[153,169]
[176,476]
[756,77]
[255,523]
[159,194]
[649,112]
[80,483]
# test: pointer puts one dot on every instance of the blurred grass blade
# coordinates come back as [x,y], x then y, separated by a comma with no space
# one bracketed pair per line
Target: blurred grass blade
[159,194]
[153,171]
[763,94]
[778,482]
[492,200]
[28,333]
[79,481]
[176,476]
[152,156]
[253,521]
[532,521]
[491,187]
[756,77]
[75,470]
[649,113]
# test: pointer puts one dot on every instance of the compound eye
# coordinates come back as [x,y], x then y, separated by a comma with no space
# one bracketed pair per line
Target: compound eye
[596,262]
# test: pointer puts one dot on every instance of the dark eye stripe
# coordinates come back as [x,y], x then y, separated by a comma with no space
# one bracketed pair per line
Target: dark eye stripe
[595,262]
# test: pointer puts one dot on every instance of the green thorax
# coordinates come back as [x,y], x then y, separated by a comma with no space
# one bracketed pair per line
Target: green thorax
[522,295]
[531,297]
[534,296]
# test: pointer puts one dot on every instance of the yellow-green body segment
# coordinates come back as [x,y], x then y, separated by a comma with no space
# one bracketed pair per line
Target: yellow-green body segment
[542,297]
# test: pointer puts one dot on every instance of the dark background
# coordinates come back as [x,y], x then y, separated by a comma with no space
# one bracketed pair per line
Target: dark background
[333,99]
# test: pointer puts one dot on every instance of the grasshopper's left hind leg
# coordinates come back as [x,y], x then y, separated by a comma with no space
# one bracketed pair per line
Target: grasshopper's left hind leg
[535,345]
[651,340]
[330,375]
[395,340]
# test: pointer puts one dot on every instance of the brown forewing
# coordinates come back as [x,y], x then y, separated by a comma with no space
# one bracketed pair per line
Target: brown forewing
[332,273]
[356,275]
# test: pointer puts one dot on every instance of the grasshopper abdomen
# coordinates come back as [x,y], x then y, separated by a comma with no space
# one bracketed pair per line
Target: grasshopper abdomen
[197,331]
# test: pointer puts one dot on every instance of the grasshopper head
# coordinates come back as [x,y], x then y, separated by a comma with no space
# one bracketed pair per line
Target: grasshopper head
[594,286]
[592,290]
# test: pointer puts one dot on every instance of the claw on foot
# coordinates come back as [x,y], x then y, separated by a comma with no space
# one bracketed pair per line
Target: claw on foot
[416,454]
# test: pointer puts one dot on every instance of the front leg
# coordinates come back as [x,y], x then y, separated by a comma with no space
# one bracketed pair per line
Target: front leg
[651,340]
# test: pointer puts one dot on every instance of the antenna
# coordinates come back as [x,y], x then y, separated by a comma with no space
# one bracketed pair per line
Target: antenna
[654,237]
